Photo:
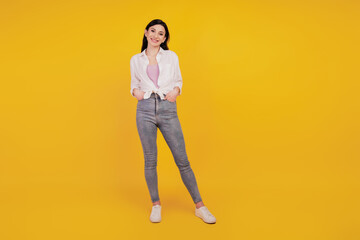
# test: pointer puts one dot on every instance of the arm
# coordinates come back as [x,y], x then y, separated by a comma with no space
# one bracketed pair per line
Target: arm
[171,96]
[135,82]
[177,74]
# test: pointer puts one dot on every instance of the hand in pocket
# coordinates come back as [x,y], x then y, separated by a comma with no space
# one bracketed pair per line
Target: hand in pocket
[139,94]
[171,96]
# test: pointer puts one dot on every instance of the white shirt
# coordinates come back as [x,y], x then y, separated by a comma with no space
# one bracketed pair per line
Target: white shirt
[169,73]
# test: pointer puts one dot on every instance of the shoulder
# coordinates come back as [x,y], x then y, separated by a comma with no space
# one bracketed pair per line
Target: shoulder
[135,57]
[170,52]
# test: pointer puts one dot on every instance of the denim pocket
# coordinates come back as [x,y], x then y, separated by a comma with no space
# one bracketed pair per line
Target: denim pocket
[171,102]
[142,100]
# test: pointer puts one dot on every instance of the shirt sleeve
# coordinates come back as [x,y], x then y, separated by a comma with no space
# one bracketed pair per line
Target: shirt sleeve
[135,81]
[177,74]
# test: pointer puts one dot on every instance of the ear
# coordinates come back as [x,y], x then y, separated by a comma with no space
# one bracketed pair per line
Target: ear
[145,31]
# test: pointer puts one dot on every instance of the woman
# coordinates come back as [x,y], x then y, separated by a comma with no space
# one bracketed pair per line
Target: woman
[156,82]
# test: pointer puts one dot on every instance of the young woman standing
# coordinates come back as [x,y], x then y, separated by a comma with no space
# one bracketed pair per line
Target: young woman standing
[156,82]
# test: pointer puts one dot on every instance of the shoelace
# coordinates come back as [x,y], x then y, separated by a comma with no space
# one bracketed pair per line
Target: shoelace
[156,208]
[208,213]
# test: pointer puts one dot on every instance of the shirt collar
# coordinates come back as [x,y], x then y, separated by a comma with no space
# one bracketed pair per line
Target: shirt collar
[161,51]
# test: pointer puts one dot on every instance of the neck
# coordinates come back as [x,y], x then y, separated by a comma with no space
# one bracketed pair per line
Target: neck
[152,51]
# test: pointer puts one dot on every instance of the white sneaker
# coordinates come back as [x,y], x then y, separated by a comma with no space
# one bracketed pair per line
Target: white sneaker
[155,215]
[205,214]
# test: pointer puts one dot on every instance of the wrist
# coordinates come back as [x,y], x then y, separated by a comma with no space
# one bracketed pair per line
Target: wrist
[177,89]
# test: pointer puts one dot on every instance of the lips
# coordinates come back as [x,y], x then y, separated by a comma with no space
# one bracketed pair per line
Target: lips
[154,40]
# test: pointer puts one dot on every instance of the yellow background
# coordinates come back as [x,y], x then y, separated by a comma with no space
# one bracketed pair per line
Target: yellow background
[270,112]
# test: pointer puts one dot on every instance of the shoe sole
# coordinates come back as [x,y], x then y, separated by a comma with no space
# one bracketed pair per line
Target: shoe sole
[155,221]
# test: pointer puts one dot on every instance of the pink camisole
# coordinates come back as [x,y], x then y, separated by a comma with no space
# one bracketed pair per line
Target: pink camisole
[153,73]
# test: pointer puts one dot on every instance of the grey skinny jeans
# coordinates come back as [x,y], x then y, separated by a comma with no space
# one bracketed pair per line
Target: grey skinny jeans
[153,113]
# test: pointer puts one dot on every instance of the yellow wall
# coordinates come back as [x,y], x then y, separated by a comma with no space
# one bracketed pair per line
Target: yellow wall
[269,110]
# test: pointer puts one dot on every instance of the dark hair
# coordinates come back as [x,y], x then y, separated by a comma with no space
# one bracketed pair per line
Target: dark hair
[167,34]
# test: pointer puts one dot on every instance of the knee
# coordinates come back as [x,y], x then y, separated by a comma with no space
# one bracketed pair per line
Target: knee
[150,165]
[150,162]
[183,165]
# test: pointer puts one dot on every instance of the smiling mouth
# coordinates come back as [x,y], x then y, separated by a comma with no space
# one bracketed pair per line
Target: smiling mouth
[154,40]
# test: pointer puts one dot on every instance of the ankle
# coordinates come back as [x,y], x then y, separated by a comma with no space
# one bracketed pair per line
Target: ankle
[199,204]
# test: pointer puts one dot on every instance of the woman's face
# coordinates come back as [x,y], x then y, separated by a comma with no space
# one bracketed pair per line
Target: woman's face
[156,35]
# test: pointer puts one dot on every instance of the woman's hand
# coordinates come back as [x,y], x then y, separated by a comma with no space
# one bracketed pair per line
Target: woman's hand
[171,96]
[139,94]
